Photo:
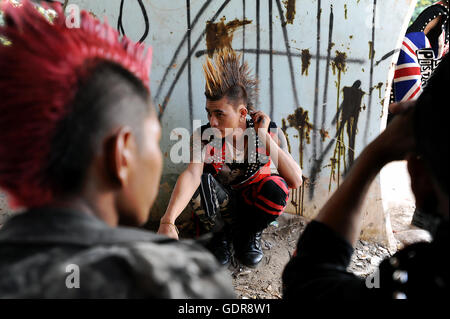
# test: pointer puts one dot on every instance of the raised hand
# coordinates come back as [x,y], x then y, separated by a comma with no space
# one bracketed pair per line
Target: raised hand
[261,120]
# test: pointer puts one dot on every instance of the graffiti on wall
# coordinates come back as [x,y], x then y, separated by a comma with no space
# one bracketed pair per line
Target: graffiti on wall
[329,126]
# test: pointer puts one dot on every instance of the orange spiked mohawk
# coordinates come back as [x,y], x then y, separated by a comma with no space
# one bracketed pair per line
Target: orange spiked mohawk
[41,72]
[225,73]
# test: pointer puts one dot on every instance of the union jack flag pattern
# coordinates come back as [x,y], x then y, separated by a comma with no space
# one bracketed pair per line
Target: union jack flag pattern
[419,54]
[408,75]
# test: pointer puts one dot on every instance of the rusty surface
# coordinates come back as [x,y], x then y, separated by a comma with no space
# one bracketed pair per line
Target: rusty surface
[290,11]
[371,50]
[324,134]
[306,61]
[339,62]
[300,121]
[378,87]
[284,128]
[220,35]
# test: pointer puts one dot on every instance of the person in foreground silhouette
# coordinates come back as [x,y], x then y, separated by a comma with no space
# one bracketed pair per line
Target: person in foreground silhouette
[79,152]
[418,133]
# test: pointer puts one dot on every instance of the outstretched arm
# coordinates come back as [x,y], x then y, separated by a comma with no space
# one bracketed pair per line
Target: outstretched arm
[186,185]
[324,250]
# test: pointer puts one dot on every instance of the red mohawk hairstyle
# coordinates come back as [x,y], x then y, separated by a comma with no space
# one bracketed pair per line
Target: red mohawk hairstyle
[40,74]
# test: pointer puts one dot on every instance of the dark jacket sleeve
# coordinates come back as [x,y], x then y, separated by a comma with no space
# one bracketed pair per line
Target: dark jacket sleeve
[318,269]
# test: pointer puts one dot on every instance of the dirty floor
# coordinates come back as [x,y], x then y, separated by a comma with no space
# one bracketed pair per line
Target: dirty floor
[279,243]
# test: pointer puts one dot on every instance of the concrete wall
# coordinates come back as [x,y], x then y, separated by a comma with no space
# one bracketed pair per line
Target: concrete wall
[312,58]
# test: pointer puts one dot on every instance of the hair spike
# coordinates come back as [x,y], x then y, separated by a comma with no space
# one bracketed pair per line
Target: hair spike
[224,71]
[41,72]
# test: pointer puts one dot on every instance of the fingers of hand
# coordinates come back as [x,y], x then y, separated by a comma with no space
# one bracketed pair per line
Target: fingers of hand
[400,107]
[399,135]
[260,117]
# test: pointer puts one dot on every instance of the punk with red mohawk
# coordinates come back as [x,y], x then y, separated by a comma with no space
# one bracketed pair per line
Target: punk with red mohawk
[79,149]
[42,72]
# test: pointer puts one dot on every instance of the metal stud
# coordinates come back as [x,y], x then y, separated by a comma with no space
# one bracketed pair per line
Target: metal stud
[394,262]
[400,276]
[399,295]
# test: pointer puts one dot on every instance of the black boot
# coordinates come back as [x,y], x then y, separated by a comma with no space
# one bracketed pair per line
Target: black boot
[220,247]
[248,248]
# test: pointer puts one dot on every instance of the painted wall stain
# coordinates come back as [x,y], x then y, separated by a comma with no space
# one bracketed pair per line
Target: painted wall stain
[290,11]
[345,11]
[284,128]
[378,87]
[295,201]
[300,121]
[324,134]
[346,118]
[306,61]
[371,50]
[333,162]
[298,196]
[339,62]
[350,109]
[220,35]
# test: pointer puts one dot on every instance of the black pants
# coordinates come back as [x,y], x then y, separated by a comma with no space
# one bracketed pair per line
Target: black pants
[250,208]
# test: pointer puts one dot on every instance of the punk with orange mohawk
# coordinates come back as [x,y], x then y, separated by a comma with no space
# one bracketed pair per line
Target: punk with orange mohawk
[231,188]
[79,151]
[226,76]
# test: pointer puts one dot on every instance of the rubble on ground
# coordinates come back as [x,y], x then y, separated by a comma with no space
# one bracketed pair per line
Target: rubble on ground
[279,243]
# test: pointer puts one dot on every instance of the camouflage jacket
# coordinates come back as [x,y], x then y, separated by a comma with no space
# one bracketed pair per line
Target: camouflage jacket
[66,254]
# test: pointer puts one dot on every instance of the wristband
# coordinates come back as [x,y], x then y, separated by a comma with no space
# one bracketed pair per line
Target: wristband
[176,228]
